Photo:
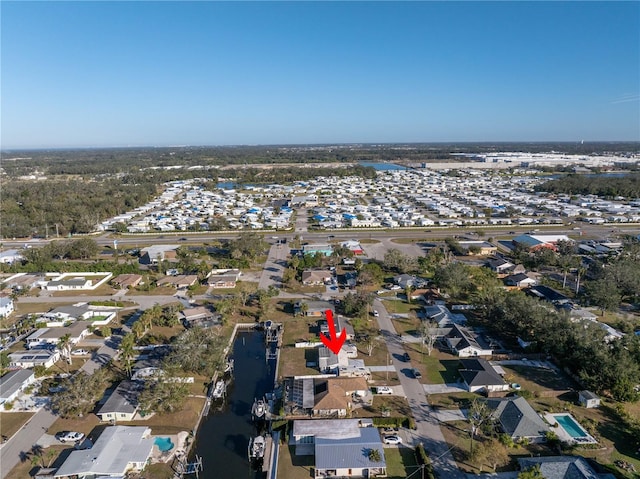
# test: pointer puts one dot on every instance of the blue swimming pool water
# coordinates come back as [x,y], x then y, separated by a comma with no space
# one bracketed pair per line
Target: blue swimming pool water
[569,425]
[163,443]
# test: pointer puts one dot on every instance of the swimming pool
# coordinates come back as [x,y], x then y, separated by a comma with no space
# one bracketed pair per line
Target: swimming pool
[163,443]
[570,426]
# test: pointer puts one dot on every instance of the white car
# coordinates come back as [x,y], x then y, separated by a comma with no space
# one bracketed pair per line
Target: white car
[376,313]
[384,390]
[69,436]
[392,440]
[80,352]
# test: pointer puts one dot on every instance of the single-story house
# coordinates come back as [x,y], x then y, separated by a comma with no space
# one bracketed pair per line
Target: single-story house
[124,281]
[31,359]
[122,404]
[549,294]
[13,383]
[222,280]
[499,265]
[314,309]
[350,456]
[517,418]
[158,253]
[405,280]
[330,362]
[462,342]
[199,316]
[180,281]
[483,248]
[332,396]
[479,375]
[316,277]
[69,284]
[306,431]
[520,280]
[588,399]
[442,316]
[49,337]
[562,467]
[118,450]
[340,323]
[6,306]
[354,246]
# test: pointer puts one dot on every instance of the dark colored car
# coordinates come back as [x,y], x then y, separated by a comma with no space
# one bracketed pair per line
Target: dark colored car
[406,357]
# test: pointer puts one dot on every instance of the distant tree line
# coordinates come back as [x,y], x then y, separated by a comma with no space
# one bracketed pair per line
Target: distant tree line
[600,185]
[61,207]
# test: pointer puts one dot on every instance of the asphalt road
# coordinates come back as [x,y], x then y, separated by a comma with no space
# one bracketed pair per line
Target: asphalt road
[427,233]
[427,427]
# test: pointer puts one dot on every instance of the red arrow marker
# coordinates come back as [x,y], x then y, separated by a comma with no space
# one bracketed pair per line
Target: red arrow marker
[332,342]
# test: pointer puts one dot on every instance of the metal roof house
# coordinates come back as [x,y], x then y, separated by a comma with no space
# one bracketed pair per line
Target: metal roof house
[342,450]
[119,449]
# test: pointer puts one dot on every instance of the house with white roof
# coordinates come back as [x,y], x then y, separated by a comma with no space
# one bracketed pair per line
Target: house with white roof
[118,450]
[6,306]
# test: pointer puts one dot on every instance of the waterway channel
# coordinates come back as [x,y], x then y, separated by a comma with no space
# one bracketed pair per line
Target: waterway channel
[224,434]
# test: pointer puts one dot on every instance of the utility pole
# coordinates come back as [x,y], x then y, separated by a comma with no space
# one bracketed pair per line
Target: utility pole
[57,234]
[46,231]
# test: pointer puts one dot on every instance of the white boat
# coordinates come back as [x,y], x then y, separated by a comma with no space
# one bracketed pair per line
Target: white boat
[256,447]
[218,390]
[259,408]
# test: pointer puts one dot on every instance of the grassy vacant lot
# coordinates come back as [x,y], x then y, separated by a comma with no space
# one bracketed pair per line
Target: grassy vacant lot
[401,462]
[104,290]
[13,421]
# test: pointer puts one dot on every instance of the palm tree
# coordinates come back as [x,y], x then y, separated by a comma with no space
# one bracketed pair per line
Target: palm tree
[64,345]
[127,352]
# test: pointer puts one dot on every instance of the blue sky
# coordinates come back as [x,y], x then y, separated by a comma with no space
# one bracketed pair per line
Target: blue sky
[78,74]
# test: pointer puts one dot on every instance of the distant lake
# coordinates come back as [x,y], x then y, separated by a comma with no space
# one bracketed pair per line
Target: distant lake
[382,166]
[230,185]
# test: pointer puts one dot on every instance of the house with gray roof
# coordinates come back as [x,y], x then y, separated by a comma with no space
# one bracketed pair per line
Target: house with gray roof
[562,467]
[462,342]
[13,383]
[479,375]
[118,450]
[122,404]
[350,456]
[515,417]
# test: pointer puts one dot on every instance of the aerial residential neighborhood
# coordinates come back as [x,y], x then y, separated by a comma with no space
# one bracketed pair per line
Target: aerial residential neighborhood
[472,309]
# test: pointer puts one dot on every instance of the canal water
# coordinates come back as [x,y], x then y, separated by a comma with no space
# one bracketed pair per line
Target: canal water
[224,435]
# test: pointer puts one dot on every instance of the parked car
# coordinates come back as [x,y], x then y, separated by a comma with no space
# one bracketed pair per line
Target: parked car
[417,374]
[376,313]
[384,390]
[392,440]
[406,357]
[79,352]
[69,436]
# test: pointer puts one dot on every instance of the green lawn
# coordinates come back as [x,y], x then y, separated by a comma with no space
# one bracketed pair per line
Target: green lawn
[440,371]
[400,462]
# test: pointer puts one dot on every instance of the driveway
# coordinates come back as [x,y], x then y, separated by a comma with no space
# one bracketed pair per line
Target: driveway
[274,267]
[444,388]
[448,415]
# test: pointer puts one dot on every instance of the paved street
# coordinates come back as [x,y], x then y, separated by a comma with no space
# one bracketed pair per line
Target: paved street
[427,427]
[274,267]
